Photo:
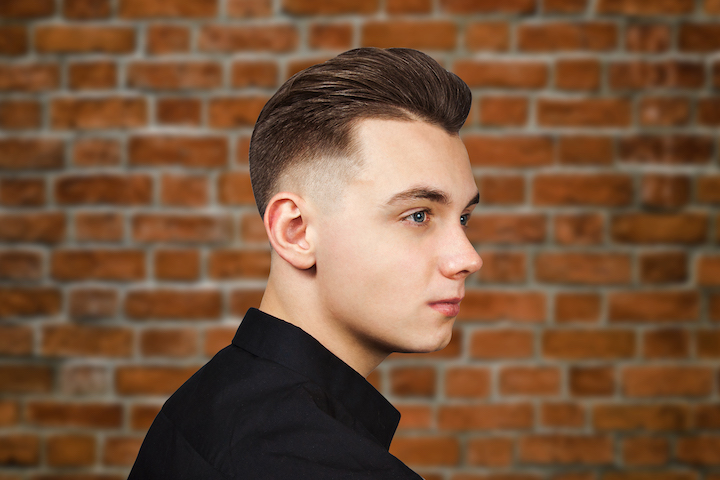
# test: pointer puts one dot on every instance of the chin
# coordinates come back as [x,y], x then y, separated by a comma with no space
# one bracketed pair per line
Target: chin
[429,345]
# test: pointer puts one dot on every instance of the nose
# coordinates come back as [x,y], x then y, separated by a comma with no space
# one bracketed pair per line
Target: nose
[460,259]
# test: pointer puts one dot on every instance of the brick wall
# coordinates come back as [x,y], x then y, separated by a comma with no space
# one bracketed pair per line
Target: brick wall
[588,346]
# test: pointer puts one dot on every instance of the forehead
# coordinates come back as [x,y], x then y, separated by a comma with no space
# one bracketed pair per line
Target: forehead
[398,154]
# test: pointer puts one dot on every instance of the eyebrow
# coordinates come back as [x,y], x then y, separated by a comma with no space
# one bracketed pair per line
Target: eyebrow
[428,193]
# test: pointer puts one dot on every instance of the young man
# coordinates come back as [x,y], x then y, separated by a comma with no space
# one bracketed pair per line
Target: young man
[365,190]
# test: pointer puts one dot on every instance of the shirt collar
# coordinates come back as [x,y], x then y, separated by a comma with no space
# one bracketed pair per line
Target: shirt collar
[269,337]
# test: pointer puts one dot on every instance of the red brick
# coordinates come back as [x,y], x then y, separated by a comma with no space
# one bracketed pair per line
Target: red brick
[663,267]
[31,153]
[708,270]
[151,380]
[664,111]
[490,36]
[26,9]
[566,449]
[82,340]
[577,307]
[424,35]
[173,304]
[502,74]
[699,37]
[413,381]
[493,151]
[582,150]
[609,190]
[185,151]
[140,9]
[638,7]
[413,416]
[166,39]
[314,7]
[218,338]
[488,6]
[665,191]
[93,303]
[579,229]
[589,112]
[252,229]
[234,112]
[587,381]
[177,342]
[486,344]
[502,267]
[503,111]
[104,189]
[712,7]
[20,265]
[502,190]
[13,40]
[184,190]
[254,74]
[179,111]
[84,379]
[19,449]
[670,149]
[9,412]
[174,75]
[577,74]
[529,381]
[583,268]
[682,228]
[121,451]
[647,38]
[671,73]
[250,8]
[331,36]
[656,418]
[98,227]
[19,114]
[559,36]
[98,113]
[564,6]
[485,417]
[142,416]
[468,382]
[667,343]
[491,306]
[508,228]
[70,450]
[567,415]
[227,39]
[238,264]
[427,451]
[707,416]
[177,264]
[242,300]
[699,450]
[29,77]
[22,192]
[645,451]
[661,306]
[181,228]
[587,344]
[25,378]
[91,152]
[84,415]
[708,343]
[15,340]
[92,75]
[708,111]
[650,475]
[708,189]
[29,301]
[490,452]
[663,381]
[84,39]
[86,9]
[235,188]
[118,265]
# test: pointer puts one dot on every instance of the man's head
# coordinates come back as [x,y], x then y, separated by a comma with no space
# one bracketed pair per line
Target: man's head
[368,218]
[304,138]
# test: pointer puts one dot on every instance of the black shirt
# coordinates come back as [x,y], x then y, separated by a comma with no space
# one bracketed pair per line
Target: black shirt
[275,404]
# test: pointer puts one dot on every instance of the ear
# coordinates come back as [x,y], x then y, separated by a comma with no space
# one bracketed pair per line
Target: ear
[286,225]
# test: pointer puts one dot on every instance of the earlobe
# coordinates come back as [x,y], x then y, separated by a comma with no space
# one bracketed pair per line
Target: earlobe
[286,225]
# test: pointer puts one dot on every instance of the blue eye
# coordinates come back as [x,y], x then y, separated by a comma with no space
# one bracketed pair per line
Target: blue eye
[419,217]
[464,219]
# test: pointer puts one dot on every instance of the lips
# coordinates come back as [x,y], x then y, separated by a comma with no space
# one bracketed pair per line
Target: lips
[449,307]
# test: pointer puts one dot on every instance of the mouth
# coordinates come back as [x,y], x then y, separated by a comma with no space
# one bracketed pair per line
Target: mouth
[449,307]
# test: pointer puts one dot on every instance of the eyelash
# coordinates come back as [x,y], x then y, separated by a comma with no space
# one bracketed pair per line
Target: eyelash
[428,213]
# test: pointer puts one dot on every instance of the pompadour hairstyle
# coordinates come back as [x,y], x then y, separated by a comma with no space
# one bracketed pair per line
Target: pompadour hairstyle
[311,118]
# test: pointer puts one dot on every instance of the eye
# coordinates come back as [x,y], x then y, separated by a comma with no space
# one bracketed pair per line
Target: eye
[464,219]
[419,218]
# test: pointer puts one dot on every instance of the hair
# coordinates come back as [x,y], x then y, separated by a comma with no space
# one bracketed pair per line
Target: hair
[305,132]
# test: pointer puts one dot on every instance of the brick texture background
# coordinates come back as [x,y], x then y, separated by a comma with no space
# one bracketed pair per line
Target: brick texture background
[588,346]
